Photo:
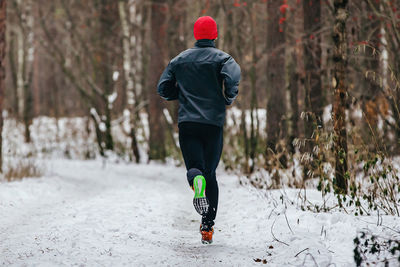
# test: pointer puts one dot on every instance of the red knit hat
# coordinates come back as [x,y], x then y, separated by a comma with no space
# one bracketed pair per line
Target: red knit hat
[205,28]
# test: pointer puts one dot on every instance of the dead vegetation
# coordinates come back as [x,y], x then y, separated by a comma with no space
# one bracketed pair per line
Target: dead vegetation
[23,168]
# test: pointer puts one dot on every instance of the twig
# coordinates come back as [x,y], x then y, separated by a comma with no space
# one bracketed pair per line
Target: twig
[312,257]
[300,252]
[382,225]
[290,228]
[322,230]
[379,223]
[269,216]
[276,239]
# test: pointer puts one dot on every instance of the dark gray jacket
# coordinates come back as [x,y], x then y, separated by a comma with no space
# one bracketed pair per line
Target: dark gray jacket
[195,77]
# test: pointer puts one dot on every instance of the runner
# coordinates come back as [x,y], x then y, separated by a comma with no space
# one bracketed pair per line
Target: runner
[204,79]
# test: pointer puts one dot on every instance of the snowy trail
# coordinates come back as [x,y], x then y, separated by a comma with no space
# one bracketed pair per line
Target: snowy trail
[141,215]
[119,215]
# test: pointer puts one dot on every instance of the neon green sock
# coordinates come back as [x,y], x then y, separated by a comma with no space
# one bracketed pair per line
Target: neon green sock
[199,184]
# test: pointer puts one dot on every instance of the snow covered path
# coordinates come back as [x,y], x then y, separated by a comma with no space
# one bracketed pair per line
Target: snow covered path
[119,215]
[141,215]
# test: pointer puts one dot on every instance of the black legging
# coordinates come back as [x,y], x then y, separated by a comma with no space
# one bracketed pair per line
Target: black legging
[201,146]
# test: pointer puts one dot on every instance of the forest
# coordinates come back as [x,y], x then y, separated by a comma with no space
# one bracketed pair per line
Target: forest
[314,131]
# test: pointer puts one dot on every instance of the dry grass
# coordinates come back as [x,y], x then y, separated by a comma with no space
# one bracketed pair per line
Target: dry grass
[22,169]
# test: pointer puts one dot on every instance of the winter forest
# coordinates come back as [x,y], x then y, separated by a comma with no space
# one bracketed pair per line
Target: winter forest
[91,169]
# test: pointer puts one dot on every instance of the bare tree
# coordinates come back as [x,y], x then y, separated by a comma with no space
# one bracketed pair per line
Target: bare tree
[276,106]
[108,21]
[159,9]
[128,47]
[252,12]
[384,13]
[312,62]
[312,80]
[2,71]
[371,67]
[91,75]
[294,58]
[340,94]
[176,40]
[22,67]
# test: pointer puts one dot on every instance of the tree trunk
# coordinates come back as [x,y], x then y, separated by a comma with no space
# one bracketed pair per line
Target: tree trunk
[28,70]
[25,55]
[99,137]
[294,104]
[312,62]
[108,17]
[158,52]
[2,72]
[129,77]
[340,94]
[294,57]
[13,73]
[176,33]
[370,87]
[312,80]
[276,105]
[20,73]
[253,82]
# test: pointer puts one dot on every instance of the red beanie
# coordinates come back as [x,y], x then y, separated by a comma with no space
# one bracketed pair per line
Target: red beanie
[205,28]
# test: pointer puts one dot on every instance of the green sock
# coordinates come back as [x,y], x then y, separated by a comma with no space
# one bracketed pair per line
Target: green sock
[199,184]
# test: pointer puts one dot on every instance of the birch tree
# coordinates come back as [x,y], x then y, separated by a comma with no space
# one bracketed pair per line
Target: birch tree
[128,44]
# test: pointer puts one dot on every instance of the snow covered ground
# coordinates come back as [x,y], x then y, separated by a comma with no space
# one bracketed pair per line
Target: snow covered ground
[87,214]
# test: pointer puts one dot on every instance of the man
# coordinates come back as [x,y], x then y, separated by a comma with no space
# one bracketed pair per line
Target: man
[196,77]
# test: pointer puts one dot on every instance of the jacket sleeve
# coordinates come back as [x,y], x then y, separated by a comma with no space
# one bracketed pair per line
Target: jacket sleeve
[231,74]
[167,87]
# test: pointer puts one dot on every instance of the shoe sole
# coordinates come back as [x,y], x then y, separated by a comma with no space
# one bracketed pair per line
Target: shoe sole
[206,242]
[200,202]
